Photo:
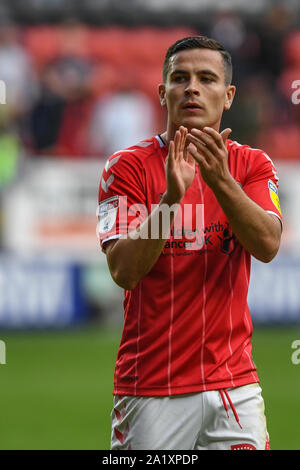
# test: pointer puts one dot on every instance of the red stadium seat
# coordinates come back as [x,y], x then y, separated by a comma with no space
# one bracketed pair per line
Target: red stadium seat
[107,44]
[291,49]
[115,45]
[148,45]
[73,40]
[43,43]
[144,45]
[281,143]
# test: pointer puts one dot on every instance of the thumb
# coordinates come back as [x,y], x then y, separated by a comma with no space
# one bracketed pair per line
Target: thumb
[225,133]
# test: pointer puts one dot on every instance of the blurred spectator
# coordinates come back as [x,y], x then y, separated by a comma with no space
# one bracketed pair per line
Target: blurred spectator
[47,113]
[259,53]
[280,54]
[19,92]
[16,70]
[291,49]
[241,40]
[61,116]
[78,91]
[9,148]
[229,29]
[121,118]
[255,103]
[290,74]
[275,26]
[9,156]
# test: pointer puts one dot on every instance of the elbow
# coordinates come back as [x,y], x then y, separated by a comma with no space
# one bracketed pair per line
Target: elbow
[271,243]
[122,272]
[124,279]
[266,258]
[269,253]
[266,243]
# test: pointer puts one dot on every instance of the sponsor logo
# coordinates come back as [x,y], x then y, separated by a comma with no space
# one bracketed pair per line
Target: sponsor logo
[107,213]
[116,217]
[227,244]
[243,446]
[207,237]
[273,190]
[188,233]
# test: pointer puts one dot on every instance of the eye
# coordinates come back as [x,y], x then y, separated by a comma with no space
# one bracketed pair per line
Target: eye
[178,78]
[206,79]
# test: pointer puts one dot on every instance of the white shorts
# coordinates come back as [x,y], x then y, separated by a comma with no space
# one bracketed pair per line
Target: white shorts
[222,420]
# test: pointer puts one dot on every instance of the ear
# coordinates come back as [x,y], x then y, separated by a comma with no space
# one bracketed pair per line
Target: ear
[230,92]
[162,94]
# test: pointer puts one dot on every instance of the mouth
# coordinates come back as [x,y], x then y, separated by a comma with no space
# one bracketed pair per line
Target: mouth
[192,106]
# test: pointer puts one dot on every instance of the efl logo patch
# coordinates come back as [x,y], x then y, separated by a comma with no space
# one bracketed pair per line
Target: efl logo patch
[243,447]
[107,213]
[274,194]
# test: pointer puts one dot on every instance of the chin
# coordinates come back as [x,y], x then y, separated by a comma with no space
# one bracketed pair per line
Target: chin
[193,123]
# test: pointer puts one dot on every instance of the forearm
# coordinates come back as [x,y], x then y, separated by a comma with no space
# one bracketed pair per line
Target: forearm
[133,256]
[258,231]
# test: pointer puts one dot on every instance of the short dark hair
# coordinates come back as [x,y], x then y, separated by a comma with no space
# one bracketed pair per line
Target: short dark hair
[199,42]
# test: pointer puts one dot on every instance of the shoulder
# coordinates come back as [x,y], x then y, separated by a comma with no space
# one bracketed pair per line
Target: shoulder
[251,160]
[247,152]
[242,149]
[134,156]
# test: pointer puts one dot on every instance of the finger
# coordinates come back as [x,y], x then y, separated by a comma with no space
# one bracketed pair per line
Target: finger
[177,144]
[205,139]
[202,147]
[180,143]
[225,134]
[171,154]
[183,134]
[189,158]
[198,157]
[215,136]
[185,154]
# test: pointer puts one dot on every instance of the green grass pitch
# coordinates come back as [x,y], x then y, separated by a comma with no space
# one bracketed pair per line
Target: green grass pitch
[56,388]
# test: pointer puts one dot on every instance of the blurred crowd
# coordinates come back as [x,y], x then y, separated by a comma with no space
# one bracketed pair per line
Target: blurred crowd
[76,91]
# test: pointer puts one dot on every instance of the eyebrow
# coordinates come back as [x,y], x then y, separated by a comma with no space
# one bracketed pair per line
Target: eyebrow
[203,72]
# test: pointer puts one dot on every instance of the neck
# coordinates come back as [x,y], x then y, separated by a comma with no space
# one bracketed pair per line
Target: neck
[164,138]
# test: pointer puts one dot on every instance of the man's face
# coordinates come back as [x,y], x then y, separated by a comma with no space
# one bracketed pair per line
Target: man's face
[195,92]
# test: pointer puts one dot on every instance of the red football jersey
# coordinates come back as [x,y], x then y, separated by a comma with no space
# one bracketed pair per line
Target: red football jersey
[187,325]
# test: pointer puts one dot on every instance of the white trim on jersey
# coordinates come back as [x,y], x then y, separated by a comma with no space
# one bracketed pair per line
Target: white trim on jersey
[138,337]
[171,322]
[112,237]
[247,320]
[274,213]
[160,141]
[230,320]
[203,313]
[264,154]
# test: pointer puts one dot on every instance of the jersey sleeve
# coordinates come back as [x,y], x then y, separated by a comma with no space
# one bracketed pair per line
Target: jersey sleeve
[121,197]
[261,183]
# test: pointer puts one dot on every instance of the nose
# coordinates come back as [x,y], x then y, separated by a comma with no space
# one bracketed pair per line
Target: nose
[192,87]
